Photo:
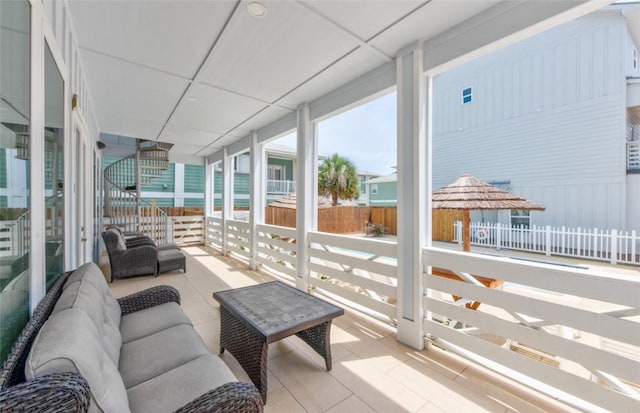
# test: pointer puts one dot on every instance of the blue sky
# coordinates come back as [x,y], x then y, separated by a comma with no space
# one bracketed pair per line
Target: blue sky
[366,135]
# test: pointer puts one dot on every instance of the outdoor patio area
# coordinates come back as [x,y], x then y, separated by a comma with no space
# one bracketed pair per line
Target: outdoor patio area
[371,370]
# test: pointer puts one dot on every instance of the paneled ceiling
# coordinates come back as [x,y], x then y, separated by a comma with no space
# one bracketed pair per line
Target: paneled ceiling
[202,74]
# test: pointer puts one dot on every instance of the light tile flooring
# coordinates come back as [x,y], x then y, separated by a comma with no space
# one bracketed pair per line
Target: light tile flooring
[371,372]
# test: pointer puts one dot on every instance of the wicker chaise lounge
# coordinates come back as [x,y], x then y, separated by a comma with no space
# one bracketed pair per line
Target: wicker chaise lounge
[137,240]
[141,259]
[83,350]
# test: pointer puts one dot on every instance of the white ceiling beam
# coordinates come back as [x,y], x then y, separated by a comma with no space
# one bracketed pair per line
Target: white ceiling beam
[366,87]
[278,127]
[240,146]
[500,26]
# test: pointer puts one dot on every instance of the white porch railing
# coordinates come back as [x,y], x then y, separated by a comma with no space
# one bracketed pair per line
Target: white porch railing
[550,315]
[238,241]
[277,251]
[8,238]
[603,245]
[361,271]
[188,230]
[570,332]
[280,187]
[213,232]
[633,156]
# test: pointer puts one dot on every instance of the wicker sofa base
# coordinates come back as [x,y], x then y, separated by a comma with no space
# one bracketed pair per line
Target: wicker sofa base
[69,391]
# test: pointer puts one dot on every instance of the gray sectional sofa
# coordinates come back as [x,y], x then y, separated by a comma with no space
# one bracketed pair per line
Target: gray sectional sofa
[139,354]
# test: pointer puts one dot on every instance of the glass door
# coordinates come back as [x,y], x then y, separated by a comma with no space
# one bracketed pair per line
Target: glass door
[15,168]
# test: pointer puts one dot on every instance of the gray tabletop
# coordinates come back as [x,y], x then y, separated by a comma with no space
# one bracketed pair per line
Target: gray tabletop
[275,309]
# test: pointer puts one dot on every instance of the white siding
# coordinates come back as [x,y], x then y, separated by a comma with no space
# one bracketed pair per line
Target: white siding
[633,201]
[548,115]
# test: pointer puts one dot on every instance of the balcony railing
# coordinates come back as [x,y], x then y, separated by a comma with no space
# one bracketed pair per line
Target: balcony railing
[569,332]
[572,329]
[280,187]
[633,156]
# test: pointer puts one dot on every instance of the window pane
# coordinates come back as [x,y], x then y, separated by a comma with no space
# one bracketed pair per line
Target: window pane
[14,170]
[53,164]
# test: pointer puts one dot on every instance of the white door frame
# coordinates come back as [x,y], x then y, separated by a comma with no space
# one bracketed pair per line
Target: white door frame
[81,206]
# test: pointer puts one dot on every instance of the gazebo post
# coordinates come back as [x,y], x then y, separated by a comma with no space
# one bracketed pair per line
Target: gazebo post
[466,230]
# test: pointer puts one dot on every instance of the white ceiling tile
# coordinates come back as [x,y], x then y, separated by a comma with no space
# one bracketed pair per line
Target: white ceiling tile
[428,21]
[128,90]
[173,36]
[267,57]
[215,110]
[364,18]
[181,135]
[356,64]
[263,118]
[185,149]
[121,124]
[224,141]
[208,151]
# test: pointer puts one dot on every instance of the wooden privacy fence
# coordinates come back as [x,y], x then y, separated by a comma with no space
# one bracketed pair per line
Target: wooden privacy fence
[344,220]
[336,220]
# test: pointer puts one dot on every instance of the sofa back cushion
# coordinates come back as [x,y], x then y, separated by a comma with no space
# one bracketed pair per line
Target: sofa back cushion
[84,290]
[70,342]
[91,273]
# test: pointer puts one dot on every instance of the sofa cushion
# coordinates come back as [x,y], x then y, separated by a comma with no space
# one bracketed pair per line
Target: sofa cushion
[84,296]
[69,342]
[91,273]
[175,388]
[153,355]
[151,320]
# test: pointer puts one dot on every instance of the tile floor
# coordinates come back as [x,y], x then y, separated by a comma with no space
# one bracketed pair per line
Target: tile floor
[371,372]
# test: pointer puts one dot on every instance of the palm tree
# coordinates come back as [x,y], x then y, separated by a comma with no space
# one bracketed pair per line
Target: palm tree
[337,177]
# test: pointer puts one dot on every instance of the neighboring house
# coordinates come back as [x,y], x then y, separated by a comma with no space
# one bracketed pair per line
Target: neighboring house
[555,119]
[383,190]
[281,166]
[182,185]
[14,190]
[363,188]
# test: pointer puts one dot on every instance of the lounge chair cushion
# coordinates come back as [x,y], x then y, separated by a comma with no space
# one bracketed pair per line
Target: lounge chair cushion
[122,242]
[151,320]
[177,387]
[56,350]
[153,355]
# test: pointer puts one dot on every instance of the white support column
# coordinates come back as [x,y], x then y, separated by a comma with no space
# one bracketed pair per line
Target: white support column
[208,189]
[37,275]
[413,187]
[256,196]
[306,193]
[178,185]
[227,195]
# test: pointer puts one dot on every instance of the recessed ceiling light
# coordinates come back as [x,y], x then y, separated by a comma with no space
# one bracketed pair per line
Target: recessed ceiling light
[192,99]
[256,9]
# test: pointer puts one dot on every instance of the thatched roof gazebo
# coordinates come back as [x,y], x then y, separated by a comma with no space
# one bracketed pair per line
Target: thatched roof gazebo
[289,201]
[468,193]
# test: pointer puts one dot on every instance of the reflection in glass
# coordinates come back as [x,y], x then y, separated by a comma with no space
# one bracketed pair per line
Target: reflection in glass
[53,168]
[14,170]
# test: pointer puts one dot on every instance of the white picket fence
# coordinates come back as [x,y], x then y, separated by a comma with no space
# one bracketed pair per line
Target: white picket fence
[596,244]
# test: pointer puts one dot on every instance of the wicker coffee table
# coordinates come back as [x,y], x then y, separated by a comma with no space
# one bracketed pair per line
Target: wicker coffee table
[252,317]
